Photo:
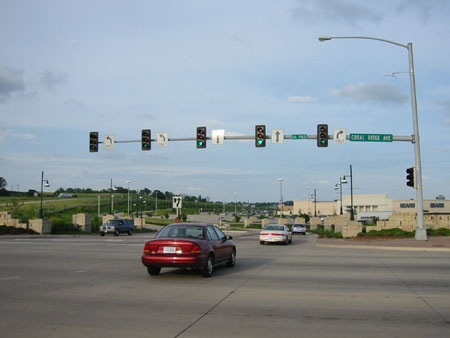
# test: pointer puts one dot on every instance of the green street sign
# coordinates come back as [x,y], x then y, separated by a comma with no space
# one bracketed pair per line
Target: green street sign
[371,137]
[299,136]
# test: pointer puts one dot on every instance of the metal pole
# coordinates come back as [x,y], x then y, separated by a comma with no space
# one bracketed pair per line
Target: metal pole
[340,191]
[281,196]
[421,233]
[315,203]
[110,198]
[352,215]
[41,213]
[98,206]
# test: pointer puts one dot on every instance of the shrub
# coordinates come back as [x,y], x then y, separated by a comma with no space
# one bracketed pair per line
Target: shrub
[438,232]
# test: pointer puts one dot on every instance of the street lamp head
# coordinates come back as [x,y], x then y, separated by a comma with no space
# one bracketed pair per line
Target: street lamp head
[46,184]
[344,181]
[324,38]
[336,187]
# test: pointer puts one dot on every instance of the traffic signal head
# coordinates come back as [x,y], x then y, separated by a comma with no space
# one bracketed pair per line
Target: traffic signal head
[322,135]
[410,177]
[145,139]
[201,137]
[260,136]
[93,141]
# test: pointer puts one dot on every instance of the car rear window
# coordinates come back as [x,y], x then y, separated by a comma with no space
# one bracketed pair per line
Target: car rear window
[274,227]
[181,231]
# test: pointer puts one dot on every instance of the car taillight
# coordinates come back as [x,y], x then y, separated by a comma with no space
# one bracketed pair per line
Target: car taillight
[150,248]
[195,249]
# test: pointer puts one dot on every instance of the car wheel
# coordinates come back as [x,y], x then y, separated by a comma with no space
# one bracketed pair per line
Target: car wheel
[102,234]
[208,269]
[290,240]
[232,261]
[153,271]
[116,233]
[286,241]
[130,232]
[261,242]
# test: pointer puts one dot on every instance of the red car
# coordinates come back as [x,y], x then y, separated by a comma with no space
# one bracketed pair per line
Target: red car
[189,245]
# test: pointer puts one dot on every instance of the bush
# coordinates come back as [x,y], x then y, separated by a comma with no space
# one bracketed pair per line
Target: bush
[4,230]
[438,232]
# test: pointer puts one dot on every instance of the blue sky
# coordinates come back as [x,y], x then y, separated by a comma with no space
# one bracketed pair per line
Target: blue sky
[116,67]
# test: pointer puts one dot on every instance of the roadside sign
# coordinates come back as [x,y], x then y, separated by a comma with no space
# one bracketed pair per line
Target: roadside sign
[299,136]
[218,136]
[176,202]
[162,139]
[371,137]
[108,141]
[277,136]
[340,136]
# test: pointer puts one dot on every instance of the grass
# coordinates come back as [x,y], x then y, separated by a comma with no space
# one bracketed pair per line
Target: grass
[326,233]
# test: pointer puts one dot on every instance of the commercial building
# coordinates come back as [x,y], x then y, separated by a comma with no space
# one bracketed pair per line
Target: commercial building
[369,205]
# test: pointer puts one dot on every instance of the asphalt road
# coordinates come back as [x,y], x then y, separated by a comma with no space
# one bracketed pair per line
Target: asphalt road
[90,286]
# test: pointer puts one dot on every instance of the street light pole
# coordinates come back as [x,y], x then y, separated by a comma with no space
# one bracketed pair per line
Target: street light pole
[128,195]
[281,196]
[341,181]
[352,212]
[41,211]
[421,234]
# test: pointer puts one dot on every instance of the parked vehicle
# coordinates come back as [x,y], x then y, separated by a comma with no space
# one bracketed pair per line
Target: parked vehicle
[117,226]
[189,245]
[275,233]
[299,229]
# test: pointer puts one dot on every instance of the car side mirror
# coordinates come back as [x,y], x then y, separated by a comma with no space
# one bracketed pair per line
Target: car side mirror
[227,238]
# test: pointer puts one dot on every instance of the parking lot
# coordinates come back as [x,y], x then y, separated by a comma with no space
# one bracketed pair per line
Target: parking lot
[92,286]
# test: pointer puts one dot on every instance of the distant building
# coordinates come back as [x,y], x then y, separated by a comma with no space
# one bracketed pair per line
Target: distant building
[370,205]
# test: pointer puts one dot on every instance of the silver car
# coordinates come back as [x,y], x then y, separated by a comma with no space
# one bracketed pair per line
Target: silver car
[275,233]
[299,229]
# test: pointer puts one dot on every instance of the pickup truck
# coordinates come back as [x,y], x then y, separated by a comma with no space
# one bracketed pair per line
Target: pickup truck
[117,226]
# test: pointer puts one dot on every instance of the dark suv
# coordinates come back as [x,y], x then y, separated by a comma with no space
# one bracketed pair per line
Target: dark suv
[116,226]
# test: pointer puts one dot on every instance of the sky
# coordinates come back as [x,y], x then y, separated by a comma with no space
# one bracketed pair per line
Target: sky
[116,67]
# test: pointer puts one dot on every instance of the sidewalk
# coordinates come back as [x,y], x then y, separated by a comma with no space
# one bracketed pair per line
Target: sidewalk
[439,244]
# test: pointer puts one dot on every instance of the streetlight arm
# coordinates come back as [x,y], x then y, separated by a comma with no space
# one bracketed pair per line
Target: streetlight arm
[327,38]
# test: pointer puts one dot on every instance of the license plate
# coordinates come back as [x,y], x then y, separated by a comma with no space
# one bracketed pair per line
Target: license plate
[170,249]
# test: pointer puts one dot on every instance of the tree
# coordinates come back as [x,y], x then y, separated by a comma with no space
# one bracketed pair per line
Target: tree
[3,183]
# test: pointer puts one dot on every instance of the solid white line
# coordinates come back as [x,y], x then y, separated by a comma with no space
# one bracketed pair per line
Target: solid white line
[9,278]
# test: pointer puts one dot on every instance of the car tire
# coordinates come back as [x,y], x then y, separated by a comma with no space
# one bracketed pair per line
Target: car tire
[286,241]
[261,242]
[130,232]
[232,261]
[290,240]
[102,234]
[209,266]
[116,233]
[153,271]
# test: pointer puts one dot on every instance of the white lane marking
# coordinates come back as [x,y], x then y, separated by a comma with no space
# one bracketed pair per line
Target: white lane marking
[80,271]
[9,278]
[73,243]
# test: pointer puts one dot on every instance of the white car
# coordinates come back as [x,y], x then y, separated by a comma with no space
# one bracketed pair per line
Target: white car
[275,233]
[299,229]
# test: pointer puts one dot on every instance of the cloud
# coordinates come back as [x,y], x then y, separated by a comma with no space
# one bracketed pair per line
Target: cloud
[6,133]
[51,79]
[375,92]
[11,81]
[342,11]
[423,7]
[302,99]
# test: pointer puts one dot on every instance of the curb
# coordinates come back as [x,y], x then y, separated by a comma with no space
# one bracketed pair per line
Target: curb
[373,247]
